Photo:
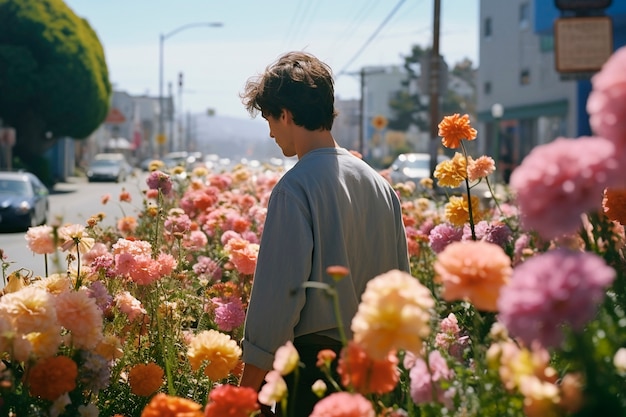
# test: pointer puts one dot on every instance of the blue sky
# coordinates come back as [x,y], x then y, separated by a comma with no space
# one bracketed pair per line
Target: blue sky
[216,62]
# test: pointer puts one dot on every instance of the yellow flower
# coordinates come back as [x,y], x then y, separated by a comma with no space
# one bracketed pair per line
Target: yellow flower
[393,314]
[215,349]
[30,310]
[145,379]
[110,347]
[451,173]
[46,344]
[455,128]
[457,210]
[155,165]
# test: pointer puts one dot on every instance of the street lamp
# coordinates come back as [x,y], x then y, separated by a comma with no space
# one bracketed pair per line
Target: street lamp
[497,111]
[161,138]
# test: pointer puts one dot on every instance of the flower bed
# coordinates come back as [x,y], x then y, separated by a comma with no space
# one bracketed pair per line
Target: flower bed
[514,308]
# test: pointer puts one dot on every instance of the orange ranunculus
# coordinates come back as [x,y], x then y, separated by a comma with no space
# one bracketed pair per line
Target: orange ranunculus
[614,204]
[455,128]
[163,405]
[52,377]
[473,271]
[145,379]
[229,400]
[367,375]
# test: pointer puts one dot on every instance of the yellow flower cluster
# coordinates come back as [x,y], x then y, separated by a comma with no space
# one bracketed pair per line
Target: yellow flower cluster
[452,173]
[457,210]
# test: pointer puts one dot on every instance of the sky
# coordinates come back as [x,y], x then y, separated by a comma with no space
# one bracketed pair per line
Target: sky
[216,62]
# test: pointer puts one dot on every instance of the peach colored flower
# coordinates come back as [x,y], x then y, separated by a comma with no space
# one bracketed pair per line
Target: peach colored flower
[480,168]
[145,379]
[79,313]
[133,247]
[43,344]
[242,254]
[31,309]
[473,271]
[105,198]
[125,196]
[343,404]
[129,305]
[55,283]
[216,350]
[52,377]
[394,314]
[40,239]
[127,224]
[286,358]
[457,210]
[274,389]
[367,375]
[325,357]
[453,129]
[614,204]
[110,347]
[73,237]
[163,405]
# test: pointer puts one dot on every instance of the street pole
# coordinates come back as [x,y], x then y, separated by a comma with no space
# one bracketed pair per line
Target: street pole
[434,89]
[497,111]
[161,137]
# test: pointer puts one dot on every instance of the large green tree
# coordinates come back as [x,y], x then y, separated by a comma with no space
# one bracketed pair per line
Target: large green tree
[54,80]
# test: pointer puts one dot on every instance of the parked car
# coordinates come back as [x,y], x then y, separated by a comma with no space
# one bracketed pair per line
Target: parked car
[109,167]
[23,201]
[412,167]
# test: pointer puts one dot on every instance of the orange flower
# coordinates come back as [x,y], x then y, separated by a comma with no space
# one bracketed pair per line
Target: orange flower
[614,204]
[145,379]
[163,405]
[453,129]
[473,271]
[367,375]
[52,377]
[229,400]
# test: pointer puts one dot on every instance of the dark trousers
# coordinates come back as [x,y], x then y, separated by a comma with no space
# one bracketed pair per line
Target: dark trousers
[301,398]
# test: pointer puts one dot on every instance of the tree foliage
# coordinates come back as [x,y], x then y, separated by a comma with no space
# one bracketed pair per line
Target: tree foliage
[54,79]
[410,106]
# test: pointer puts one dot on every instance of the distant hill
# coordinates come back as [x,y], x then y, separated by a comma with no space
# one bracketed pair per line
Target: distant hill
[233,137]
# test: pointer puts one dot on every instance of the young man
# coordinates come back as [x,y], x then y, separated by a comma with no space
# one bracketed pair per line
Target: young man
[330,209]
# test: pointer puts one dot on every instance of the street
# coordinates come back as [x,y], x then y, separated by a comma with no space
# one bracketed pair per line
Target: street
[74,202]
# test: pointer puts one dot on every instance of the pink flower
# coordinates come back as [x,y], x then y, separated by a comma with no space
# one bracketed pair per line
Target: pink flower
[40,239]
[158,180]
[560,181]
[343,404]
[442,235]
[607,101]
[243,255]
[427,380]
[177,222]
[129,305]
[286,358]
[274,389]
[552,289]
[207,268]
[230,314]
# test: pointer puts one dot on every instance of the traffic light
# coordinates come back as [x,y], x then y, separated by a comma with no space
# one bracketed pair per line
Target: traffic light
[180,79]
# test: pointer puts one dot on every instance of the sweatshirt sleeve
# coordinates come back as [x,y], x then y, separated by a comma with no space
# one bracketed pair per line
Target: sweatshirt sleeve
[283,265]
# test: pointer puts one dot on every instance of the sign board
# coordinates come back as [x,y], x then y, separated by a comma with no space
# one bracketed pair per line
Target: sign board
[115,116]
[582,44]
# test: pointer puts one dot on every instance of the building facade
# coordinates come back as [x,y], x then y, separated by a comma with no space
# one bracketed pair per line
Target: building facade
[522,100]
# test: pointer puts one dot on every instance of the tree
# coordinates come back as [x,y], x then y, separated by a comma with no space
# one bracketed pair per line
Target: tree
[54,80]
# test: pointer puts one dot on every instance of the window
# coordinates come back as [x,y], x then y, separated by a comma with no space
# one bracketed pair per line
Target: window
[524,15]
[524,77]
[487,28]
[487,88]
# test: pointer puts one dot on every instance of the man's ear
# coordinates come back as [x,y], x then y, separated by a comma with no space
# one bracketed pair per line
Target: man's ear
[286,115]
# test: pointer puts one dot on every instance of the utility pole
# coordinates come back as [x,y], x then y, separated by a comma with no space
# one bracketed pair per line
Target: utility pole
[434,89]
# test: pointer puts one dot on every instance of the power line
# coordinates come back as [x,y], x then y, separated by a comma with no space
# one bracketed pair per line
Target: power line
[371,38]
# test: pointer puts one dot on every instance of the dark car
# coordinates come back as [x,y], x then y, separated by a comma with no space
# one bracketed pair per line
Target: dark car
[23,201]
[108,168]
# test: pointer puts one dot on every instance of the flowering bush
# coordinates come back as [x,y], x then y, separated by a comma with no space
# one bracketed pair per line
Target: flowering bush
[515,307]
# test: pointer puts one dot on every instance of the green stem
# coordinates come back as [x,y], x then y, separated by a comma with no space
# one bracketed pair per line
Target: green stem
[45,263]
[78,279]
[469,197]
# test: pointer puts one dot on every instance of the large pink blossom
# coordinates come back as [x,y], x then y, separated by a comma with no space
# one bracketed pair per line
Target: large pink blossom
[40,240]
[606,104]
[559,181]
[343,404]
[428,380]
[229,314]
[552,289]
